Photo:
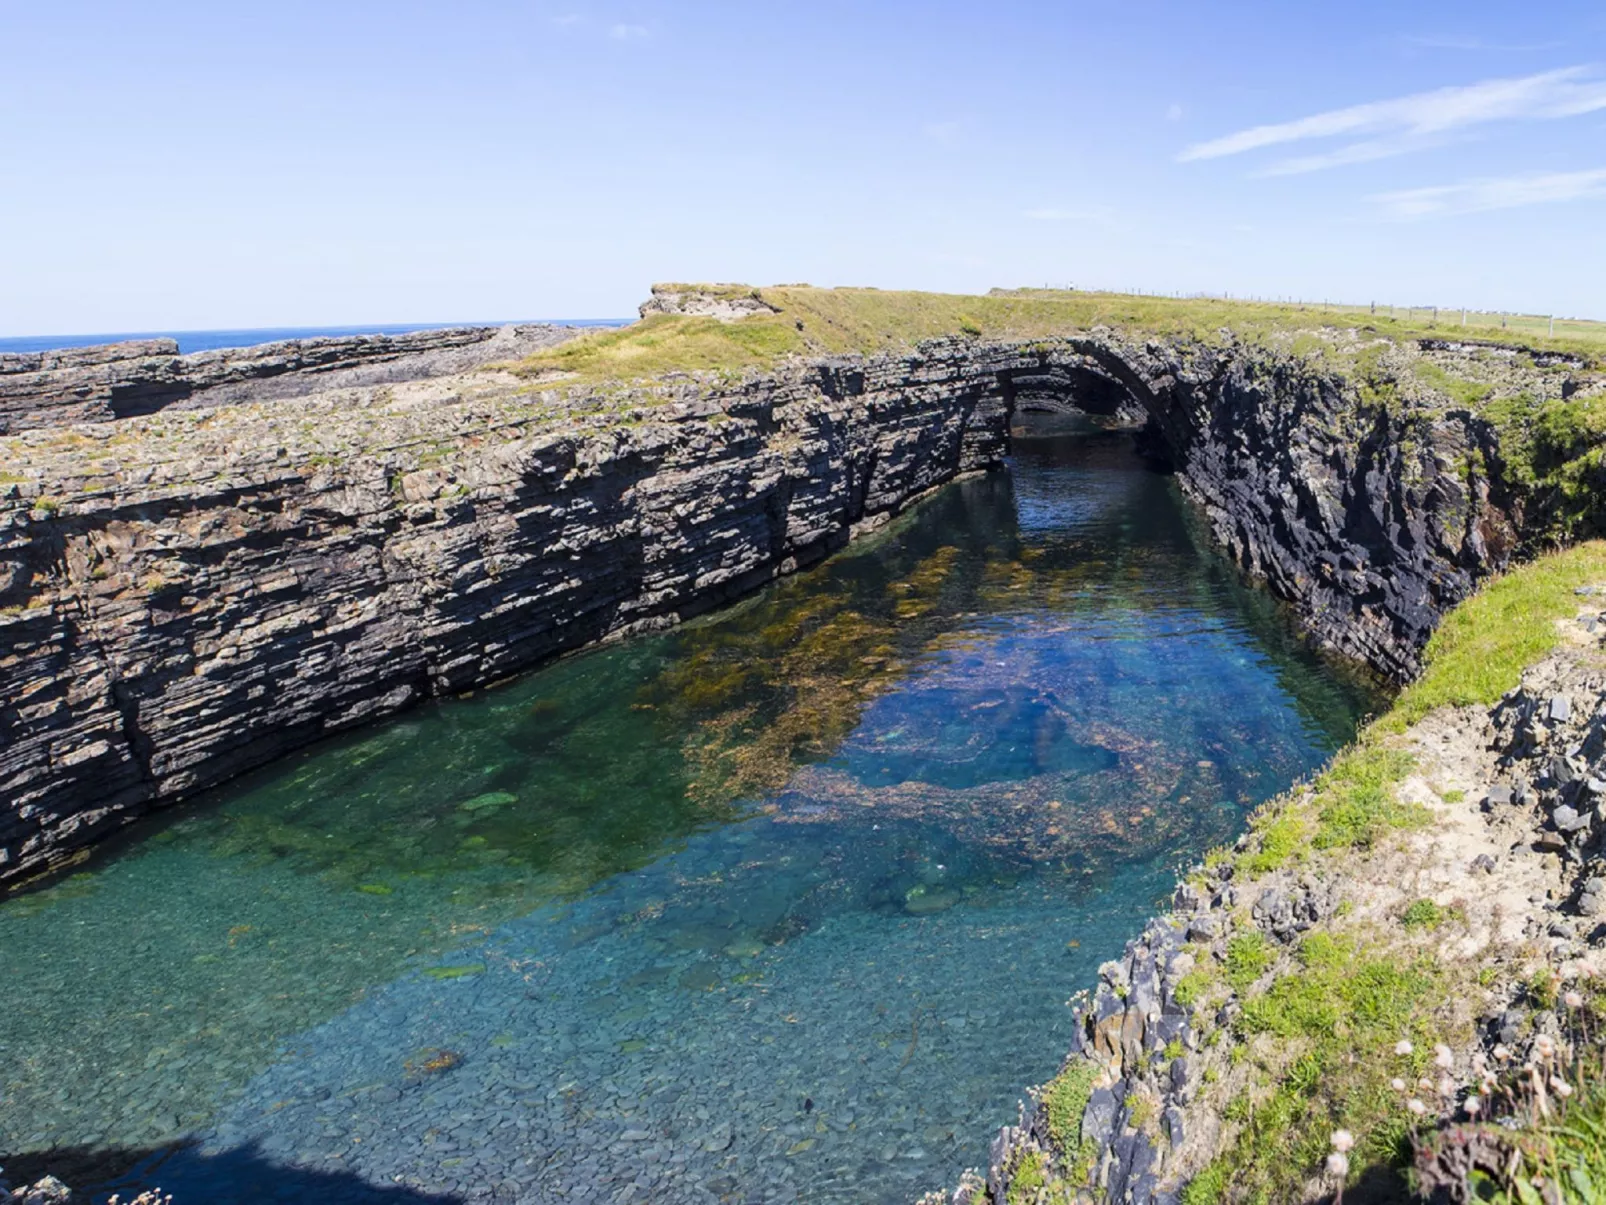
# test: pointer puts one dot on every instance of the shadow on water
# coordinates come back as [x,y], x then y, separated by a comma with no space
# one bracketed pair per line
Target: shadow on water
[240,1176]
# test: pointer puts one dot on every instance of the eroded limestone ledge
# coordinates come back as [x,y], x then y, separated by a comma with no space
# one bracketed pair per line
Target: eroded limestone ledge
[188,594]
[142,376]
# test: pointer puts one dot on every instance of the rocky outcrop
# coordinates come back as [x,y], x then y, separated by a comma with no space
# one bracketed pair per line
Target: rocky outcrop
[1373,521]
[180,607]
[187,595]
[725,302]
[119,380]
[1498,886]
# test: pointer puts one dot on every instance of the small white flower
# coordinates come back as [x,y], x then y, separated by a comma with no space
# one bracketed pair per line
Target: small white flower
[1573,1000]
[1397,1084]
[1442,1057]
[1560,1087]
[1343,1141]
[1416,1106]
[1425,1084]
[1447,1087]
[1338,1165]
[1544,1046]
[1480,1063]
[1403,1047]
[1472,1104]
[1502,1052]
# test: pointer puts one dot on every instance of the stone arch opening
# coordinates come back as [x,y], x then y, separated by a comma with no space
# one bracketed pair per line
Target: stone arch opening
[1088,378]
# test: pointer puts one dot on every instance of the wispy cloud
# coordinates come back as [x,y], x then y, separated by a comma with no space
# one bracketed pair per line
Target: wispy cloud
[1454,42]
[567,20]
[1410,123]
[1173,113]
[626,33]
[1507,192]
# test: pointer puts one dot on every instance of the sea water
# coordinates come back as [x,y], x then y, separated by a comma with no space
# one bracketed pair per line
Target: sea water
[784,905]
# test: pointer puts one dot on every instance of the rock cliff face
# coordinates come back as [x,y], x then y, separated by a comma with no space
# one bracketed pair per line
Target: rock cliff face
[192,593]
[119,380]
[215,600]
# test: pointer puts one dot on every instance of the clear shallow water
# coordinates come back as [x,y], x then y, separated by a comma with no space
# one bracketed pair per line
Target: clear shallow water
[785,905]
[189,341]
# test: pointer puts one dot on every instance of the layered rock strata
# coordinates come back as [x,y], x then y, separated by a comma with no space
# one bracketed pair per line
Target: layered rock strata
[191,593]
[197,594]
[120,380]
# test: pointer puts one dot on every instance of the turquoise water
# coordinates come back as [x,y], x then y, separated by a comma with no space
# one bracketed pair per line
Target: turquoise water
[785,905]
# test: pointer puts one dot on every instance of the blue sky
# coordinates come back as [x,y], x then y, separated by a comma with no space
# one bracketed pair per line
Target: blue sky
[174,165]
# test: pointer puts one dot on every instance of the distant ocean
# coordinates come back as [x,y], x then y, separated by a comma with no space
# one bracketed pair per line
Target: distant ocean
[189,341]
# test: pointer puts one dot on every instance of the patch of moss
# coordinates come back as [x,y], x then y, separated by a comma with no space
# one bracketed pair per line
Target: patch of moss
[1458,389]
[456,972]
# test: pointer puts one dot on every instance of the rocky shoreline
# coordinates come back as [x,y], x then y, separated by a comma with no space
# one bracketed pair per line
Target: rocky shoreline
[191,593]
[122,380]
[1499,882]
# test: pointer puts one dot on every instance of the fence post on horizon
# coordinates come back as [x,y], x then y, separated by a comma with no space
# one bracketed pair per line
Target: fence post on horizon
[1553,326]
[1463,315]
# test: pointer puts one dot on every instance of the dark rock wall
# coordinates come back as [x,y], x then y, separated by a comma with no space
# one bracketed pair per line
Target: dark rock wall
[1372,523]
[154,642]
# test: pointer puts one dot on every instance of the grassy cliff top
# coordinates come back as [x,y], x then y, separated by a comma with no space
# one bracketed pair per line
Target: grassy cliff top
[799,320]
[1546,396]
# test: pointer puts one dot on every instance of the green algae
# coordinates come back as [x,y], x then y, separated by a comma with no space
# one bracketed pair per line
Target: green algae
[467,970]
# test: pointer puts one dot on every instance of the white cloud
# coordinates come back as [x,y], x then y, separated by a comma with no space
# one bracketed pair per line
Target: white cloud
[1410,123]
[626,33]
[1508,192]
[1355,152]
[1174,113]
[567,20]
[1454,42]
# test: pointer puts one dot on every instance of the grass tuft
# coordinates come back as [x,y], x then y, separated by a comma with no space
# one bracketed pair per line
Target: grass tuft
[1482,647]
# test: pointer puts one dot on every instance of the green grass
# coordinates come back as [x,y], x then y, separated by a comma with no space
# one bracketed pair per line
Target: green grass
[1482,647]
[1192,986]
[833,321]
[1281,837]
[1208,1187]
[1424,914]
[1338,1015]
[1065,1101]
[1249,956]
[1355,799]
